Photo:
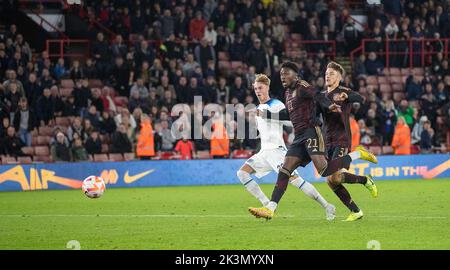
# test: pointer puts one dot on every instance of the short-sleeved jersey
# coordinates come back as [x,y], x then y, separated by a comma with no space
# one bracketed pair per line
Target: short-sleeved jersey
[270,130]
[337,125]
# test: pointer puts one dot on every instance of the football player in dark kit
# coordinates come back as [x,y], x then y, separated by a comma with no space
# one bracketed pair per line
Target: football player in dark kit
[303,102]
[339,137]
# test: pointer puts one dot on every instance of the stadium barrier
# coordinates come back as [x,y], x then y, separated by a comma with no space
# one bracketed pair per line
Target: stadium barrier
[197,172]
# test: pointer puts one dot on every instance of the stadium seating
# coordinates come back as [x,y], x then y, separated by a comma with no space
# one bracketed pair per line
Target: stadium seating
[116,157]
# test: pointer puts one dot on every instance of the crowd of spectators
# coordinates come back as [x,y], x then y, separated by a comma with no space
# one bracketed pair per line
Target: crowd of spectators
[166,52]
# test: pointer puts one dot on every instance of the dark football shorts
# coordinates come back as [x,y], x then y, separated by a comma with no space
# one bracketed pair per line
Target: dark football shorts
[334,152]
[309,143]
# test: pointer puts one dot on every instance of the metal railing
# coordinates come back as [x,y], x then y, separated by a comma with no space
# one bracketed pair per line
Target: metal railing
[327,46]
[63,44]
[413,52]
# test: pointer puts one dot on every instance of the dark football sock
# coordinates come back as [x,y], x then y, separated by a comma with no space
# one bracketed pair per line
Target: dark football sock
[280,187]
[337,164]
[345,198]
[353,179]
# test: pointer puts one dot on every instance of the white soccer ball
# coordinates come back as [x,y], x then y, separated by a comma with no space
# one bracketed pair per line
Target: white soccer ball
[93,186]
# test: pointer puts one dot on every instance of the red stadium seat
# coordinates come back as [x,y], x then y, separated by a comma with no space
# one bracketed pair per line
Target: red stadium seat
[67,83]
[398,97]
[385,88]
[397,87]
[418,71]
[65,92]
[223,56]
[396,79]
[129,156]
[105,148]
[388,150]
[415,149]
[236,64]
[43,140]
[116,157]
[394,72]
[405,71]
[46,131]
[372,80]
[94,83]
[376,150]
[101,157]
[203,155]
[41,151]
[46,159]
[242,154]
[166,155]
[382,80]
[28,150]
[9,160]
[24,160]
[62,121]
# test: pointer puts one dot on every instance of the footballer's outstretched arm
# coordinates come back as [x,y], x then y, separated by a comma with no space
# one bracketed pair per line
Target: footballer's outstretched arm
[282,115]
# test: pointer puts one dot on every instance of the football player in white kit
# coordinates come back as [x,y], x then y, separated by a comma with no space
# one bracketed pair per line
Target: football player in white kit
[273,149]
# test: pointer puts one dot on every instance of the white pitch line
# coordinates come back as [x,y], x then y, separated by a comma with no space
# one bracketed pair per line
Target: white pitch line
[373,217]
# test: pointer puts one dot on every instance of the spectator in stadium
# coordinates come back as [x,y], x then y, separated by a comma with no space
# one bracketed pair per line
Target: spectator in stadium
[185,148]
[76,71]
[166,135]
[100,53]
[406,112]
[373,65]
[390,120]
[97,100]
[223,92]
[25,121]
[140,88]
[365,133]
[219,142]
[33,89]
[256,56]
[57,103]
[145,147]
[93,144]
[426,138]
[190,65]
[238,49]
[120,142]
[238,89]
[13,97]
[44,108]
[120,76]
[70,108]
[60,69]
[197,27]
[107,123]
[4,127]
[90,69]
[59,150]
[401,142]
[79,153]
[93,116]
[413,88]
[416,133]
[87,129]
[204,52]
[75,128]
[12,145]
[354,129]
[351,35]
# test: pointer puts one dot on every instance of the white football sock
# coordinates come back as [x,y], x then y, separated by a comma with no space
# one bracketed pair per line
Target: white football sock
[309,190]
[272,206]
[252,187]
[355,155]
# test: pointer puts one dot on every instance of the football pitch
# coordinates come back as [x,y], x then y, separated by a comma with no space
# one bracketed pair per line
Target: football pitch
[408,214]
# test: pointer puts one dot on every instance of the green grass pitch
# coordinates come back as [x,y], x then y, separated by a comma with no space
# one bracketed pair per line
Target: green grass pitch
[412,214]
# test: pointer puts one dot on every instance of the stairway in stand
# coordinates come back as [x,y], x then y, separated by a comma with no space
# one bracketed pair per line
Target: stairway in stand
[345,62]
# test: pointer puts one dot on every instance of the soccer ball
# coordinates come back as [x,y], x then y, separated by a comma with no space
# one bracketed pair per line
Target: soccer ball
[93,186]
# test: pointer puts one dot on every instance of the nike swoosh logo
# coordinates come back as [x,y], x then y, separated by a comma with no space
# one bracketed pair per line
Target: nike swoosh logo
[437,170]
[130,179]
